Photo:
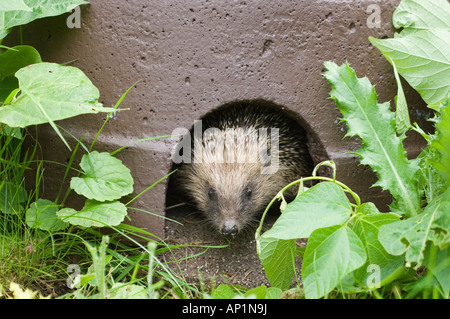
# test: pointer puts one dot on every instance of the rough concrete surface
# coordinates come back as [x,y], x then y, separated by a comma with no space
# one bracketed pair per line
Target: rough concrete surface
[192,56]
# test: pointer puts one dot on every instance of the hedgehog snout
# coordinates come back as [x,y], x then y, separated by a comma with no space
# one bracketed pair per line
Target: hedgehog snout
[229,228]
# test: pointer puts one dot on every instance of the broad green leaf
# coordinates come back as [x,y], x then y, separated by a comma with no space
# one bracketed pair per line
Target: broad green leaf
[262,292]
[312,210]
[277,257]
[15,132]
[95,214]
[421,15]
[11,197]
[258,292]
[17,5]
[11,61]
[411,235]
[105,177]
[423,59]
[368,208]
[223,292]
[42,215]
[15,58]
[51,92]
[374,123]
[330,255]
[366,227]
[39,9]
[440,142]
[273,293]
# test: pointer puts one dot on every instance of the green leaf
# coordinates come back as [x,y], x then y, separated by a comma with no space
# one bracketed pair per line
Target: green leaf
[127,291]
[39,9]
[366,227]
[421,15]
[277,257]
[15,58]
[423,59]
[11,197]
[223,292]
[105,177]
[17,5]
[439,267]
[411,235]
[374,123]
[95,214]
[312,210]
[258,292]
[368,208]
[331,254]
[402,122]
[42,215]
[273,293]
[53,92]
[440,142]
[11,61]
[262,292]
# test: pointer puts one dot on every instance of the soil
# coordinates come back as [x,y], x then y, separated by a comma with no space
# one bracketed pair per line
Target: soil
[237,263]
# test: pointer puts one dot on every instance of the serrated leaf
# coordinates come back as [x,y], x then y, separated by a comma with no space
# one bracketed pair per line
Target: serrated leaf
[42,215]
[330,255]
[37,9]
[53,92]
[95,214]
[277,257]
[374,123]
[440,143]
[411,235]
[402,121]
[105,177]
[366,228]
[423,59]
[312,210]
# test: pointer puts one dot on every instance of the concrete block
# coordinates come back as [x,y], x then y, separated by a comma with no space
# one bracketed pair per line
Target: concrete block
[192,56]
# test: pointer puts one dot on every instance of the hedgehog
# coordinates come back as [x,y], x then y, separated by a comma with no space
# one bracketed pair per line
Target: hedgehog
[243,155]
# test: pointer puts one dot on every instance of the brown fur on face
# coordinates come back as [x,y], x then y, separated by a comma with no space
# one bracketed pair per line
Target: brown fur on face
[231,195]
[235,171]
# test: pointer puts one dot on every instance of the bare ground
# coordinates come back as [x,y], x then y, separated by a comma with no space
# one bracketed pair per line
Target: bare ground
[236,263]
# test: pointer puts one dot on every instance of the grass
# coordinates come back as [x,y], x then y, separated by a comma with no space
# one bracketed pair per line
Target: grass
[43,261]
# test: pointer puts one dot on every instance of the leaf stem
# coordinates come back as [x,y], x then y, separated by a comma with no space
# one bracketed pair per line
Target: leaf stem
[280,194]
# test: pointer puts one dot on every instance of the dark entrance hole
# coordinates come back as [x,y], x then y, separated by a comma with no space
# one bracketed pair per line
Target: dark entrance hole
[182,207]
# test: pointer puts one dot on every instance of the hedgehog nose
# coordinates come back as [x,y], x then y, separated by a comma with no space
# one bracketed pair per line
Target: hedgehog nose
[229,228]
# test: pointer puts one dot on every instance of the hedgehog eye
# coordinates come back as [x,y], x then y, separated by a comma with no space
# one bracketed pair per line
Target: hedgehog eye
[248,192]
[211,193]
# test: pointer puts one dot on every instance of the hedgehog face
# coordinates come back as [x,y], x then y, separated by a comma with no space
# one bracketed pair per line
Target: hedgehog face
[240,159]
[231,195]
